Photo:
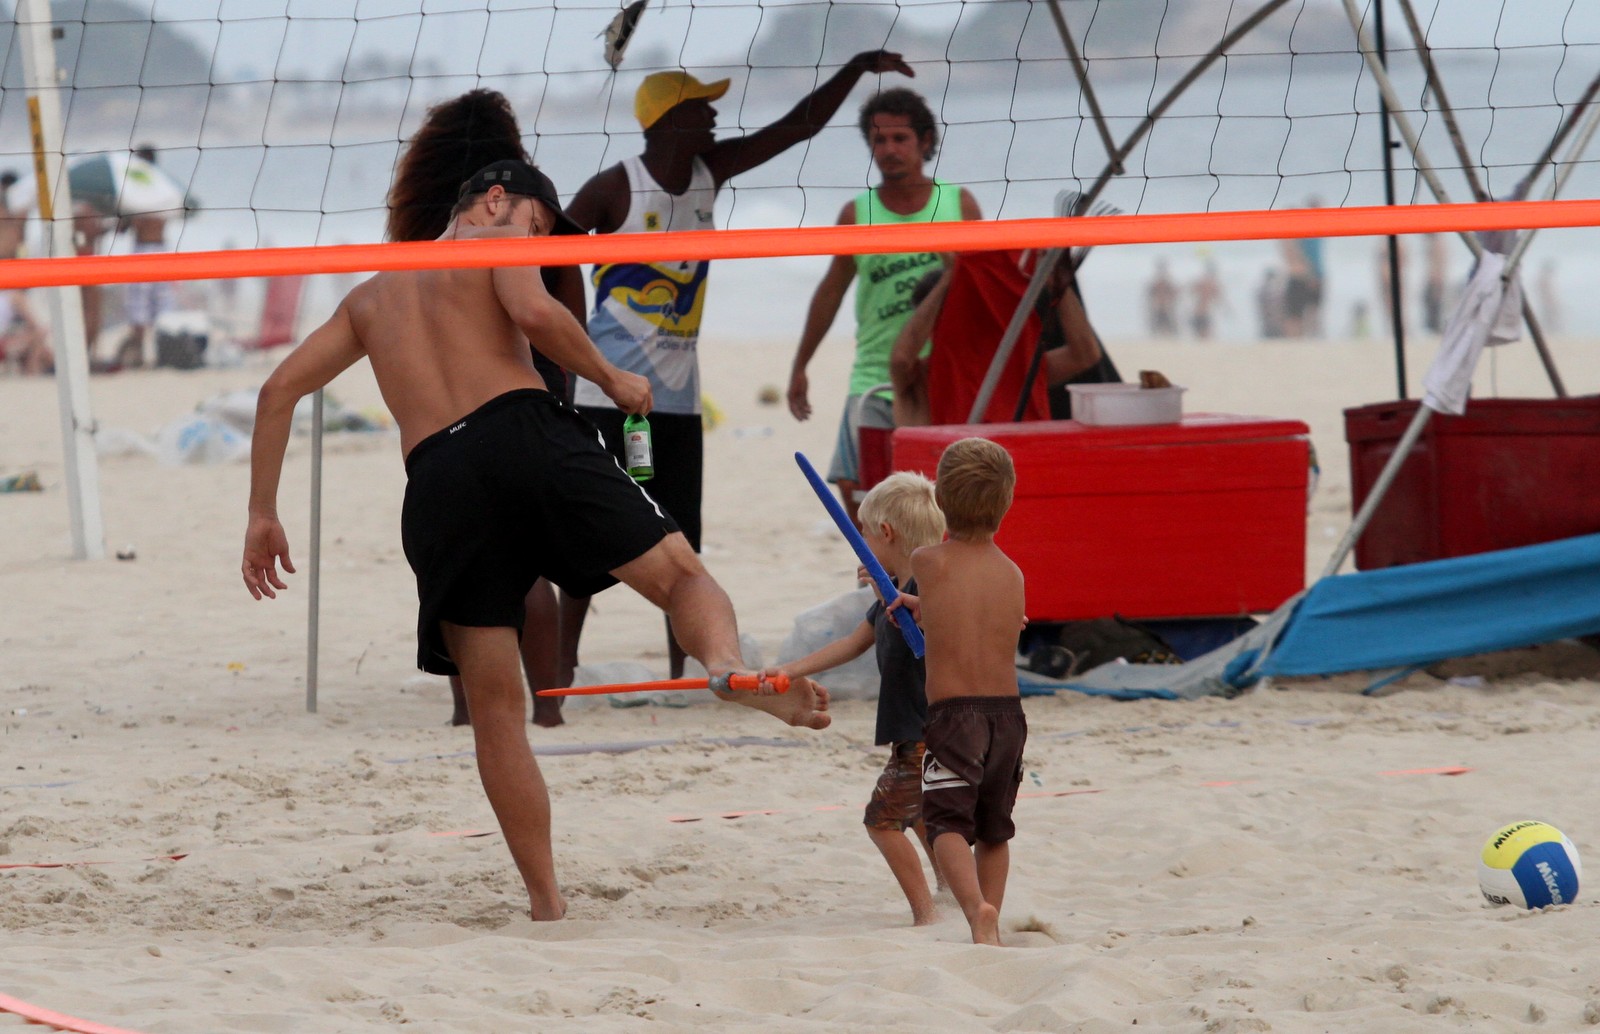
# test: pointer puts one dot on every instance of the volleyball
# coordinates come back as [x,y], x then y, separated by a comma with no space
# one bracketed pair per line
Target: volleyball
[1531,864]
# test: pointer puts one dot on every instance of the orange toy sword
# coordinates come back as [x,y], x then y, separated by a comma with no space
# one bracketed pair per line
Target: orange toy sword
[747,683]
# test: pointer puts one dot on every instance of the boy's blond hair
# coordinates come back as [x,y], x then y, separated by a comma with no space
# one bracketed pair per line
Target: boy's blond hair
[974,486]
[905,502]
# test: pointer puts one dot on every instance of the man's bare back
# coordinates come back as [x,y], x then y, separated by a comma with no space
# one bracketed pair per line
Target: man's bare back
[441,341]
[971,614]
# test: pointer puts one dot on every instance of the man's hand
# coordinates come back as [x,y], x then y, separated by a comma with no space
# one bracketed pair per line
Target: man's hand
[264,545]
[880,62]
[799,390]
[630,392]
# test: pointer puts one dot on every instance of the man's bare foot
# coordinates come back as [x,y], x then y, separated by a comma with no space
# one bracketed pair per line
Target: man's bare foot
[460,717]
[986,926]
[804,705]
[547,712]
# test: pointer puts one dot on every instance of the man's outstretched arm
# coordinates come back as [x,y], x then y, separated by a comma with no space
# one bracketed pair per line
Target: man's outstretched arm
[804,121]
[327,352]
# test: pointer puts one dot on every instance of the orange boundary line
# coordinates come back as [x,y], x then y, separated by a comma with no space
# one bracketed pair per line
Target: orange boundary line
[60,1021]
[992,235]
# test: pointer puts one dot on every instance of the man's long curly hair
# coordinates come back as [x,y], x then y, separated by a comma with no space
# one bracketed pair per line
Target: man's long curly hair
[456,139]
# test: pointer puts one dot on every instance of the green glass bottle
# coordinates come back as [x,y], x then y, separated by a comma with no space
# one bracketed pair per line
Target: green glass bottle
[636,448]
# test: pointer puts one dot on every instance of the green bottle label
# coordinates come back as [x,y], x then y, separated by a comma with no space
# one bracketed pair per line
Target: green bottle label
[636,448]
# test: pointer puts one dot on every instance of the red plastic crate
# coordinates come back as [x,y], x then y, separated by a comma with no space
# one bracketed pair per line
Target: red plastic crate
[1202,518]
[1508,472]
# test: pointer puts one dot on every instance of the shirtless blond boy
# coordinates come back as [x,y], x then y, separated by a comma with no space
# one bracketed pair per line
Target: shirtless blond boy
[505,484]
[971,609]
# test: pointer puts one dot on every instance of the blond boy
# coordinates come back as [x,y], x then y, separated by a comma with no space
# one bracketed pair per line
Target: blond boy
[971,609]
[898,516]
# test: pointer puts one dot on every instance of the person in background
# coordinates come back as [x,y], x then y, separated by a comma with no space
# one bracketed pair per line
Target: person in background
[647,315]
[903,137]
[144,302]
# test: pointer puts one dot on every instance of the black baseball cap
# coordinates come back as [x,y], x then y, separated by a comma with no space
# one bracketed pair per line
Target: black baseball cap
[518,177]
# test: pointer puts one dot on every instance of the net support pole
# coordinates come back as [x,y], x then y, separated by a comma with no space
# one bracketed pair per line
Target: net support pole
[1396,306]
[1047,261]
[314,579]
[81,466]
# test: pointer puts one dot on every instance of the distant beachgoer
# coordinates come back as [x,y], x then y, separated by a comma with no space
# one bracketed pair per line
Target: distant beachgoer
[13,221]
[1435,273]
[1208,299]
[1161,302]
[144,302]
[1269,304]
[24,339]
[1549,295]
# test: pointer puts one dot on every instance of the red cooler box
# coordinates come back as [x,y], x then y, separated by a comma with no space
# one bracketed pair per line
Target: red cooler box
[1508,472]
[1206,517]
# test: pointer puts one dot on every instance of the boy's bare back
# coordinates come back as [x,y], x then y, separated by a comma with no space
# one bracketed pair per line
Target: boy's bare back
[972,612]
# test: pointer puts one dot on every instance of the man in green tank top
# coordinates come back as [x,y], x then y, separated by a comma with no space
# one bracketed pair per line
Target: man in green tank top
[901,133]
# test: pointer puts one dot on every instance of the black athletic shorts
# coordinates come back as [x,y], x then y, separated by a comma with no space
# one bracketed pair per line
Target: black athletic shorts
[972,767]
[677,446]
[519,489]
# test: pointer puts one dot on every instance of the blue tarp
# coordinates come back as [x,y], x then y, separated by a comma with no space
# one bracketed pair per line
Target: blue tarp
[1422,613]
[1392,618]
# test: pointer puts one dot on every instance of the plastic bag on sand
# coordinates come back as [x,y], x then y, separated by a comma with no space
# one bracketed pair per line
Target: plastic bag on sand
[200,439]
[119,441]
[822,624]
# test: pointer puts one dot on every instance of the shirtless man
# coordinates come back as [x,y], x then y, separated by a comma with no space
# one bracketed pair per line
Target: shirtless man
[505,484]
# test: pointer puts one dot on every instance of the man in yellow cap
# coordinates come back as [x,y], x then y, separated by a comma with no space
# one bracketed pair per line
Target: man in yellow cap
[647,315]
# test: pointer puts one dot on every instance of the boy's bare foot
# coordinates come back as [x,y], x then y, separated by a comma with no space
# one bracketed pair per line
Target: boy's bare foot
[986,926]
[805,705]
[927,917]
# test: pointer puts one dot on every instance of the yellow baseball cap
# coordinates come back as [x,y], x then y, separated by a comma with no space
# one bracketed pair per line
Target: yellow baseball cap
[662,91]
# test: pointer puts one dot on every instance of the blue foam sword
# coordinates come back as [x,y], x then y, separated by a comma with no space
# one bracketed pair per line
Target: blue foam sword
[886,589]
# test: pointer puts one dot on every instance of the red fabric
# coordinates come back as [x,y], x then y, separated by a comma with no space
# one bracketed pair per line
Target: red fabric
[280,309]
[984,291]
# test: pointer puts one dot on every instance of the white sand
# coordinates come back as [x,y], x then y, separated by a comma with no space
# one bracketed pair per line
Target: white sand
[1242,865]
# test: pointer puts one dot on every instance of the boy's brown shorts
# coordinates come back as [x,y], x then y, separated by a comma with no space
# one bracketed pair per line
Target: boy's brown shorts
[896,803]
[972,767]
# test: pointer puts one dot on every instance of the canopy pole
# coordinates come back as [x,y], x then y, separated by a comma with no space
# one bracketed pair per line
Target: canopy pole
[1436,83]
[80,463]
[314,600]
[1081,70]
[1047,261]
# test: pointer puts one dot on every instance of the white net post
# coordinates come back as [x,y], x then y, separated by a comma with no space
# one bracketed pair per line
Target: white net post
[66,303]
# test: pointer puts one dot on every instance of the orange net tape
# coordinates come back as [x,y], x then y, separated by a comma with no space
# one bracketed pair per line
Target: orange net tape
[990,235]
